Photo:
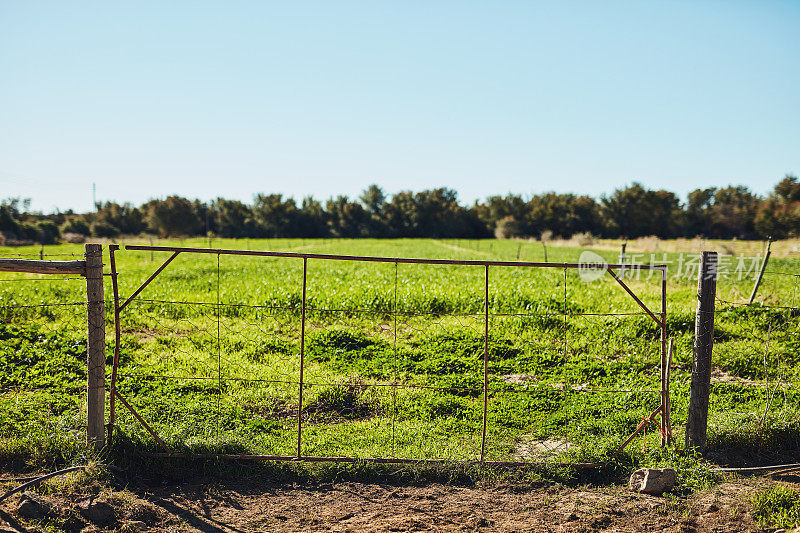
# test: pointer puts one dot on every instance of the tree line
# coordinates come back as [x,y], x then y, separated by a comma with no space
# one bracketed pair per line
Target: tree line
[629,212]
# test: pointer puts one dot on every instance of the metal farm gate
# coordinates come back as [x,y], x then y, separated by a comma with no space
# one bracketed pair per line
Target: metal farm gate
[430,372]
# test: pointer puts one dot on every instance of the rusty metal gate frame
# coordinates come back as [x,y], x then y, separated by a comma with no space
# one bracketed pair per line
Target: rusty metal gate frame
[660,318]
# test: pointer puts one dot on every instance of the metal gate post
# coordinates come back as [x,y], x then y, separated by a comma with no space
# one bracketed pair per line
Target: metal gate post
[485,360]
[666,434]
[112,409]
[302,360]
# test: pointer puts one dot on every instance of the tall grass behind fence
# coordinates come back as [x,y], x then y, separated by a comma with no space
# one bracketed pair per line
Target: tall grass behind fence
[42,359]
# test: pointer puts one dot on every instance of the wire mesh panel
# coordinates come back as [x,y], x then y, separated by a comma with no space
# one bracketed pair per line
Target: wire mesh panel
[210,363]
[560,359]
[440,373]
[318,356]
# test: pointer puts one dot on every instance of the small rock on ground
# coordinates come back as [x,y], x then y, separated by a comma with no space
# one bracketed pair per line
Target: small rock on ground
[98,512]
[32,506]
[653,480]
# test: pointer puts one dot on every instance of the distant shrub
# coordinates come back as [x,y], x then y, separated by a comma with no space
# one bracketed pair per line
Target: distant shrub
[27,231]
[76,225]
[584,239]
[46,232]
[104,229]
[507,228]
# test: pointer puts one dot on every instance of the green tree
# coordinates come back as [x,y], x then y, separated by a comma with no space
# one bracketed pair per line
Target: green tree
[779,215]
[126,218]
[232,218]
[698,206]
[562,214]
[374,201]
[47,232]
[346,218]
[172,217]
[9,217]
[104,229]
[400,215]
[313,220]
[638,212]
[276,216]
[438,215]
[732,213]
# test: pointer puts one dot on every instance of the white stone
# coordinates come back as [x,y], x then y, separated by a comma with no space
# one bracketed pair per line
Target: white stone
[653,480]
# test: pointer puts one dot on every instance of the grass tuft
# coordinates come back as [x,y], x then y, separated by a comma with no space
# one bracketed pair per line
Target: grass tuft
[777,507]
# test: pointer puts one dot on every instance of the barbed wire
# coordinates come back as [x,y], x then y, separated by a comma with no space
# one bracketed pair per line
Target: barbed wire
[778,273]
[43,255]
[50,278]
[64,304]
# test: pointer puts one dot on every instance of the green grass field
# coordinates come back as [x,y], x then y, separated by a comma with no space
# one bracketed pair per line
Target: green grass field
[394,355]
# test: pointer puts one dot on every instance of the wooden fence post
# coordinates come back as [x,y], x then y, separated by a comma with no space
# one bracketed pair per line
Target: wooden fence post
[96,349]
[697,419]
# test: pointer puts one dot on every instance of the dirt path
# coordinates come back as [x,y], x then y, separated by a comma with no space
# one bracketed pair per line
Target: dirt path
[214,506]
[435,507]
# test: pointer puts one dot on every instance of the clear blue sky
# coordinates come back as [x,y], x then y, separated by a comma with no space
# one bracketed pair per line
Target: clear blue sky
[228,98]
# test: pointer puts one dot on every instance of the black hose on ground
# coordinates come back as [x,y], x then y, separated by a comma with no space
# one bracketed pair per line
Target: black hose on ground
[39,480]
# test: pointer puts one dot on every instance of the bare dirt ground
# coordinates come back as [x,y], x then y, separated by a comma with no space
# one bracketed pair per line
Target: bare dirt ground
[216,506]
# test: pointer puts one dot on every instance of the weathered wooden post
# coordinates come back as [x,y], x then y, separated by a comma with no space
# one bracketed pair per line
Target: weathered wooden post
[697,419]
[96,341]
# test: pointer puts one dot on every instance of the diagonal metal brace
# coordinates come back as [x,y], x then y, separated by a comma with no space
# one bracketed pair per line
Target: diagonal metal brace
[646,420]
[141,421]
[636,298]
[147,282]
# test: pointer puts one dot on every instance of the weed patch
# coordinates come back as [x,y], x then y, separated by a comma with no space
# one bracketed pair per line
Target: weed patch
[777,507]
